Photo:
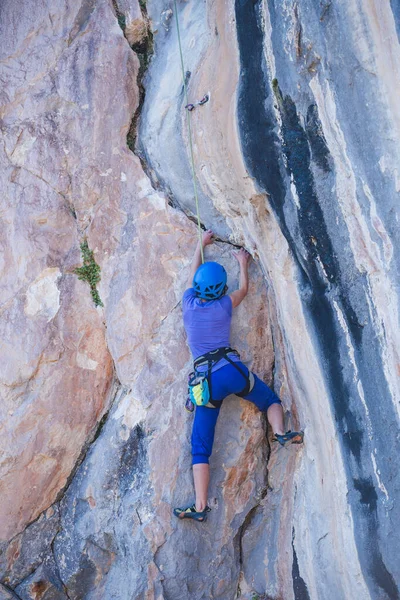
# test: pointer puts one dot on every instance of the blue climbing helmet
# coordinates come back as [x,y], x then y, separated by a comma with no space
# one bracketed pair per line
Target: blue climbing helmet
[209,281]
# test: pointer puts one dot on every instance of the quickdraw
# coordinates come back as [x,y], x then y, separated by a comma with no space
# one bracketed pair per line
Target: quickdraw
[204,99]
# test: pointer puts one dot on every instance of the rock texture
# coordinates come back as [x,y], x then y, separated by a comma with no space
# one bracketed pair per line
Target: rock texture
[296,157]
[57,371]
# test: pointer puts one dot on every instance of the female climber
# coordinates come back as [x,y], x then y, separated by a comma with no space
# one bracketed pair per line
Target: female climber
[218,371]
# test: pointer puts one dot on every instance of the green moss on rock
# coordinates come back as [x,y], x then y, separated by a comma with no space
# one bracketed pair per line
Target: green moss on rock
[90,272]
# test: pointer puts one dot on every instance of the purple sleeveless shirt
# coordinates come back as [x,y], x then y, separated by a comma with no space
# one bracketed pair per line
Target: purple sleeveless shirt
[207,324]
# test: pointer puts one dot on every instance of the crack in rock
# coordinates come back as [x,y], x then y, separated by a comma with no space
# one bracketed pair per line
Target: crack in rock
[102,422]
[248,519]
[7,593]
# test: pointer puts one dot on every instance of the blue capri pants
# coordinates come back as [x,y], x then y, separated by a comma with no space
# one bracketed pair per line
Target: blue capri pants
[225,381]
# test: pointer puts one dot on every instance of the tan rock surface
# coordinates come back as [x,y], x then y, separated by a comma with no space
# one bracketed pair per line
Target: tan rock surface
[57,371]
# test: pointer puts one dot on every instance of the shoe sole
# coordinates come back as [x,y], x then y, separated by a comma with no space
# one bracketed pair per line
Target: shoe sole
[183,515]
[200,520]
[298,439]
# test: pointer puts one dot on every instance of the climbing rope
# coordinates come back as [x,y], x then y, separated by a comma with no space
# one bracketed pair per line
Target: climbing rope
[189,108]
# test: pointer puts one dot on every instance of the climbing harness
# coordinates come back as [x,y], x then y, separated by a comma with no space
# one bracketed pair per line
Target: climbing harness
[204,99]
[199,381]
[188,111]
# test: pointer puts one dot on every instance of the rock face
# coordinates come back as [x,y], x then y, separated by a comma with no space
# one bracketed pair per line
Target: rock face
[57,370]
[296,158]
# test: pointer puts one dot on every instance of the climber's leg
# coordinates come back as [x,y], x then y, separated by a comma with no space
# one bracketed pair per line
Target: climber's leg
[267,401]
[202,442]
[223,382]
[203,431]
[275,418]
[201,476]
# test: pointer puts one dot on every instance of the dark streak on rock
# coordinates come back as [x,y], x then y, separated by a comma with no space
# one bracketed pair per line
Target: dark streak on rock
[133,459]
[298,33]
[325,9]
[395,5]
[311,219]
[319,148]
[368,500]
[263,155]
[367,491]
[81,19]
[299,585]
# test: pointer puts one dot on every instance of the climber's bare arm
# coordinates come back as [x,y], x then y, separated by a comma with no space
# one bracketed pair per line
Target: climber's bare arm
[243,258]
[206,240]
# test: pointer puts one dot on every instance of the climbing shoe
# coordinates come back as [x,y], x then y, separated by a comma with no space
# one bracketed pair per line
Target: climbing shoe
[191,513]
[294,437]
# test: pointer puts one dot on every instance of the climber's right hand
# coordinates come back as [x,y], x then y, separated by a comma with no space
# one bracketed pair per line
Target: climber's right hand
[207,238]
